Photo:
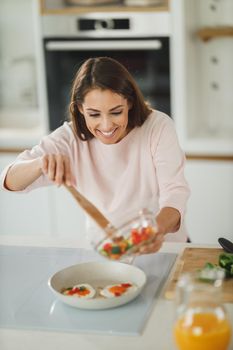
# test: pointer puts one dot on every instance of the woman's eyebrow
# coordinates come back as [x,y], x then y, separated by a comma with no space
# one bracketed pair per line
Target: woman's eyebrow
[96,110]
[112,109]
[92,109]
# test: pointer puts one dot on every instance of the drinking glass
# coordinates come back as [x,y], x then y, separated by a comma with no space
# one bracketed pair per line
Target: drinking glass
[201,319]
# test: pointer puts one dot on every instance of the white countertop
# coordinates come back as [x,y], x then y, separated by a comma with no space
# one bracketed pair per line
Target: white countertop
[156,335]
[20,138]
[21,129]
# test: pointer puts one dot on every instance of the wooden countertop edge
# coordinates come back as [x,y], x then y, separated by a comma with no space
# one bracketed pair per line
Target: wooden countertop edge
[104,8]
[228,158]
[81,10]
[12,150]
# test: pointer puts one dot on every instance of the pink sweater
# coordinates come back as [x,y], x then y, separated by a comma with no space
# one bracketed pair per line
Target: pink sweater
[144,169]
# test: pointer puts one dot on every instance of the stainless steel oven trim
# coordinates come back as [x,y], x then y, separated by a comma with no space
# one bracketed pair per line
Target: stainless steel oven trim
[103,45]
[142,25]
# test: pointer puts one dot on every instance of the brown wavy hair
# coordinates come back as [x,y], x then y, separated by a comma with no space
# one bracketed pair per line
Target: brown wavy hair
[106,74]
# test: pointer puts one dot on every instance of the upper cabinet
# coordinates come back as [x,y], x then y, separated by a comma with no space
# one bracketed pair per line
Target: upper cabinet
[202,75]
[20,98]
[17,60]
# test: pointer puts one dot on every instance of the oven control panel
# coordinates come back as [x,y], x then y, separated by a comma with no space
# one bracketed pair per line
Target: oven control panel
[99,24]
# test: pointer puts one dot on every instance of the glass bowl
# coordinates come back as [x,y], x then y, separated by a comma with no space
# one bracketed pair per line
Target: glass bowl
[129,237]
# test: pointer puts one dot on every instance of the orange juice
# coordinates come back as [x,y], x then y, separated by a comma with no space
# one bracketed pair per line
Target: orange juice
[202,331]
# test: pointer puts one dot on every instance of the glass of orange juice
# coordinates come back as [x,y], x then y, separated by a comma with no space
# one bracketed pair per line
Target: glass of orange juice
[201,319]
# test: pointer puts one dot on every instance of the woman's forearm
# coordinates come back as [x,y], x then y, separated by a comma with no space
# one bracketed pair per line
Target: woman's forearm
[168,220]
[22,174]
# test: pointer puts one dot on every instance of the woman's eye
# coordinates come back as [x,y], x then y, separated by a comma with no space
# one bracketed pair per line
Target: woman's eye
[94,115]
[116,113]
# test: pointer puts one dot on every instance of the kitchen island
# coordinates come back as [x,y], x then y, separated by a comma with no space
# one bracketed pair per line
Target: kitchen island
[157,333]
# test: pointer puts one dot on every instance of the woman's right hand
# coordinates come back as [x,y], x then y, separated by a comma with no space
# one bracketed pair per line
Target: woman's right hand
[57,168]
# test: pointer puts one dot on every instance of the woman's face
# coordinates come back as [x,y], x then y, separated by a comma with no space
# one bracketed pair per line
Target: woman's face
[106,115]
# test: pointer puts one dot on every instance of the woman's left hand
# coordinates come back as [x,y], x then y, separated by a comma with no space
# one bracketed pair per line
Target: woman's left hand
[154,246]
[168,220]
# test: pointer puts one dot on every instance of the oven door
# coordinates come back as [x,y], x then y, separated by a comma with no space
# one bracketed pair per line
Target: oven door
[146,59]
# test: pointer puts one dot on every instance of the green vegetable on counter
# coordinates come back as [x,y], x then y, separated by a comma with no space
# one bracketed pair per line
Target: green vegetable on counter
[225,262]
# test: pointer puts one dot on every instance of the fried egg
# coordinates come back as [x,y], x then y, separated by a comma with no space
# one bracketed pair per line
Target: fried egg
[116,290]
[84,291]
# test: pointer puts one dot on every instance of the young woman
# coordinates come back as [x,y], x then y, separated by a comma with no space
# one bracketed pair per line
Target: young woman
[116,150]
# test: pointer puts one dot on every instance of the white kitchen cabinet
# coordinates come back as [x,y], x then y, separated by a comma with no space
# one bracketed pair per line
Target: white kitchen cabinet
[45,211]
[202,75]
[202,105]
[69,218]
[53,212]
[24,214]
[210,214]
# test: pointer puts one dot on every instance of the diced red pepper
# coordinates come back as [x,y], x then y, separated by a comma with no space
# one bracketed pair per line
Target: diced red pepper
[144,234]
[134,231]
[107,246]
[79,291]
[126,285]
[136,238]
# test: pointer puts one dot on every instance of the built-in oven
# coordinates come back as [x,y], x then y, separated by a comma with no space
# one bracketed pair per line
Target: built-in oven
[140,41]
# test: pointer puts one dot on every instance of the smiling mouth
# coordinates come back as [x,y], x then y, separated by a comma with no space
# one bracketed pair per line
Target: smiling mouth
[107,134]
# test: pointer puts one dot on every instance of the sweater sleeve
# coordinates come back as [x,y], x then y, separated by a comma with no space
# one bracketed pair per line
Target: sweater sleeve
[58,141]
[169,162]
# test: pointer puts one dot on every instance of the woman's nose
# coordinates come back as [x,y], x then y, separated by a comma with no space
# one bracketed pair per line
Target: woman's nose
[106,123]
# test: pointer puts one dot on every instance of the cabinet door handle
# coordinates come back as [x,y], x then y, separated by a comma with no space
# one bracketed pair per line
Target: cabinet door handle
[91,45]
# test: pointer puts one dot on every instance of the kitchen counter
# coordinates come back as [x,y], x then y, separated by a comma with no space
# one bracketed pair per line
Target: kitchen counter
[156,335]
[20,138]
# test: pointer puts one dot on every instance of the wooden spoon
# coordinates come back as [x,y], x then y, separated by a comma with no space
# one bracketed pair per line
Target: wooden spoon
[92,211]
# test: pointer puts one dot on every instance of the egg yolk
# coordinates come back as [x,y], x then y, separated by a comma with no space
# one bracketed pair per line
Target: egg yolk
[80,291]
[120,289]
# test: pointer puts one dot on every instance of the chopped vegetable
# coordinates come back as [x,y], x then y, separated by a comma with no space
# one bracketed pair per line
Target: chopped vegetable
[209,266]
[118,246]
[225,263]
[116,249]
[117,290]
